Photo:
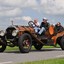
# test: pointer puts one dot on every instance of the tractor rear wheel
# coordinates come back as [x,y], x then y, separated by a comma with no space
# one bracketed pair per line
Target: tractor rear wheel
[62,43]
[37,46]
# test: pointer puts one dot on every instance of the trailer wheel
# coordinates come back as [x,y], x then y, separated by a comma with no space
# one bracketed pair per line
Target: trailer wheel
[37,46]
[2,47]
[25,43]
[62,43]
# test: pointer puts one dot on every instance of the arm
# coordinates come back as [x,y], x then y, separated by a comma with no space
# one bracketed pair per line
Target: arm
[56,30]
[38,25]
[47,26]
[61,29]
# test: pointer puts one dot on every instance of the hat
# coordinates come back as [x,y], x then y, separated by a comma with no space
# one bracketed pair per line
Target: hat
[45,18]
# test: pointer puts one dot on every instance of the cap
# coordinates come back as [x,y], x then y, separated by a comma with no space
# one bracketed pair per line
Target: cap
[45,18]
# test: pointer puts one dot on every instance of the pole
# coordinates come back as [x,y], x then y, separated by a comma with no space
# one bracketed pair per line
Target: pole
[12,22]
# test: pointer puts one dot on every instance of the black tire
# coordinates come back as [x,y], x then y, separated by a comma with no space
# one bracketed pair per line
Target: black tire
[2,47]
[25,40]
[62,43]
[37,46]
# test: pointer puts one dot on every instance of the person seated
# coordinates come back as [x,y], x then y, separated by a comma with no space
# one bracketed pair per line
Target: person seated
[37,28]
[36,25]
[58,27]
[44,25]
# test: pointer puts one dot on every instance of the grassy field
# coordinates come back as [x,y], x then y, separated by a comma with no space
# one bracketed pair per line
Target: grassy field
[50,61]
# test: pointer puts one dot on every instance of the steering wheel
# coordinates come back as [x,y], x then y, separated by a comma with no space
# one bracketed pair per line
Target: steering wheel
[31,24]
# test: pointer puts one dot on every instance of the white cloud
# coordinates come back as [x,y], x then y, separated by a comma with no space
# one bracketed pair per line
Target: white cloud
[12,2]
[45,6]
[26,18]
[13,9]
[51,7]
[20,3]
[43,2]
[16,18]
[10,12]
[21,20]
[14,12]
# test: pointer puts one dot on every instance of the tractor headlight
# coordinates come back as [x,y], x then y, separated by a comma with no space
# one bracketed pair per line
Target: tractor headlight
[2,33]
[15,32]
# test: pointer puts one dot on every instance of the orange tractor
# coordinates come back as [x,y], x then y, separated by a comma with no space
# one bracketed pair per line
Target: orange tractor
[24,37]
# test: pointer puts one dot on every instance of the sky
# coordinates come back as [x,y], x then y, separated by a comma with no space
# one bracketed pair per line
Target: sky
[22,11]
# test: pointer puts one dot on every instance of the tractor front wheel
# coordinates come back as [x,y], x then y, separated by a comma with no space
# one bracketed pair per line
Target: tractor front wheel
[25,43]
[2,47]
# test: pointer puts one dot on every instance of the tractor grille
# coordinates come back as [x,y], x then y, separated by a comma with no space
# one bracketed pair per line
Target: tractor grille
[9,32]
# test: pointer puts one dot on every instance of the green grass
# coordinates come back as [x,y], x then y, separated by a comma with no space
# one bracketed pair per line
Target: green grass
[11,48]
[57,46]
[17,48]
[50,61]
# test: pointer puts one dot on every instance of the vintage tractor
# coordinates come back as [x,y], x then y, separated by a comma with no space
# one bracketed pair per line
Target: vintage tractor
[24,37]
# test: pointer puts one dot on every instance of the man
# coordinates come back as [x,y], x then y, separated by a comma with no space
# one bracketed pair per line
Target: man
[37,28]
[58,27]
[44,25]
[36,22]
[36,25]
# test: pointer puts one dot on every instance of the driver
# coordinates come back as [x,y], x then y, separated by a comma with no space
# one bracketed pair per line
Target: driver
[44,25]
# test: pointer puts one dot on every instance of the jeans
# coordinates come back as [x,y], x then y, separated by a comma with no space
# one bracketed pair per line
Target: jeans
[36,29]
[41,30]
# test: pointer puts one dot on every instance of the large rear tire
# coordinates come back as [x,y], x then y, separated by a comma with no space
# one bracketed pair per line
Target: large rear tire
[25,43]
[62,43]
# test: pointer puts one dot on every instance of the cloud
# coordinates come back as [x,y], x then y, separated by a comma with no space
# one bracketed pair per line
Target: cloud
[20,3]
[26,18]
[52,7]
[24,9]
[15,7]
[23,18]
[10,12]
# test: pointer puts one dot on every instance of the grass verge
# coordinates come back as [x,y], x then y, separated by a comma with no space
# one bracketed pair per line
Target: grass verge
[17,48]
[12,48]
[50,61]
